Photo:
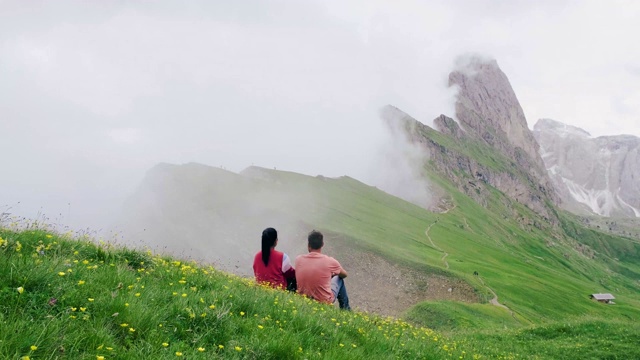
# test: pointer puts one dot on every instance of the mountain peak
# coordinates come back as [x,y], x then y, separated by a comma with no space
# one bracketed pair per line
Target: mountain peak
[488,106]
[559,128]
[487,109]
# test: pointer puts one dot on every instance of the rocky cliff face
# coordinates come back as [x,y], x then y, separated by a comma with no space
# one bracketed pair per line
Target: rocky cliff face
[489,144]
[599,175]
[488,109]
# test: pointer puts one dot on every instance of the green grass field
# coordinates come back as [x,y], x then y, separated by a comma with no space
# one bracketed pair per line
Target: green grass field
[537,273]
[63,298]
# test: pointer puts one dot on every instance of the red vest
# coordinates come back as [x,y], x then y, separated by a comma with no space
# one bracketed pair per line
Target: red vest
[272,273]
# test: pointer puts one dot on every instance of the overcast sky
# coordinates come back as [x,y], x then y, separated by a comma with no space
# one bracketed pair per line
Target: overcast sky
[93,93]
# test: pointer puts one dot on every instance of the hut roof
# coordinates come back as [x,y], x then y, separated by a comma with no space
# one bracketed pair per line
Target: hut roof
[602,296]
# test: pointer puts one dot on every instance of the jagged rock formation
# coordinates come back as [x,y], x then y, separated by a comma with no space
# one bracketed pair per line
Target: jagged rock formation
[599,175]
[487,108]
[490,144]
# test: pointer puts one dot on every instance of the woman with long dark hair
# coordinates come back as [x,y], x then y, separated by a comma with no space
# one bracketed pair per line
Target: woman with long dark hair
[272,266]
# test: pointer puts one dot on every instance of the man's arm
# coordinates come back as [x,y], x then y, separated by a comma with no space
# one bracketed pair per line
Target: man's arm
[342,274]
[336,269]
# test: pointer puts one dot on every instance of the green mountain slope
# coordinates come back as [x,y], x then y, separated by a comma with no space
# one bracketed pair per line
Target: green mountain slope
[538,271]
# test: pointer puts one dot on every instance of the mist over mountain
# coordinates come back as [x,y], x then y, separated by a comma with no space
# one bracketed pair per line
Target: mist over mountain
[488,144]
[592,175]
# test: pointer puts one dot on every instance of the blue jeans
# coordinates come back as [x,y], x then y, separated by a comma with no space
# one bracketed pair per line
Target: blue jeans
[340,292]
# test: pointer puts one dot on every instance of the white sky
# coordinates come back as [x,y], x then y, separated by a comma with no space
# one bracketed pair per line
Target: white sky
[92,94]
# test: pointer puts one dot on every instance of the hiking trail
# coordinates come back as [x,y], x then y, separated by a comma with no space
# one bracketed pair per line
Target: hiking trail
[446,264]
[494,300]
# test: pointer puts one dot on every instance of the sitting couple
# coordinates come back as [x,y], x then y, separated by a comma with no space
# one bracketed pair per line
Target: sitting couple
[318,276]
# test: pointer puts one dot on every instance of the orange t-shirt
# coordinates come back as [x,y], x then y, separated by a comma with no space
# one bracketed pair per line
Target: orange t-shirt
[313,274]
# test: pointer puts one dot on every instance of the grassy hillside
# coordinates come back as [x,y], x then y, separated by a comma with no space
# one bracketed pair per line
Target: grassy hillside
[65,298]
[539,273]
[74,299]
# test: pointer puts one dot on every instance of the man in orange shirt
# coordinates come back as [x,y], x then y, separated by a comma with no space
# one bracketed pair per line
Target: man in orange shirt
[319,276]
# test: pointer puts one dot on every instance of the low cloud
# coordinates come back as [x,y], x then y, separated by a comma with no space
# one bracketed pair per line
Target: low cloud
[92,96]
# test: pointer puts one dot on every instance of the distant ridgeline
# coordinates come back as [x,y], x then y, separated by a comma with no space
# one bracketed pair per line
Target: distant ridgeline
[593,175]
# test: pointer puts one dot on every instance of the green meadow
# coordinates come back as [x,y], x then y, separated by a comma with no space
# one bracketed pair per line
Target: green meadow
[67,298]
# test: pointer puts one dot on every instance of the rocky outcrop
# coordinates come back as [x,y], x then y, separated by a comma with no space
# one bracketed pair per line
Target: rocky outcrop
[489,144]
[598,175]
[488,109]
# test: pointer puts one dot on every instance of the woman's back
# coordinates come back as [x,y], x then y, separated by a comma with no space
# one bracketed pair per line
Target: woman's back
[274,272]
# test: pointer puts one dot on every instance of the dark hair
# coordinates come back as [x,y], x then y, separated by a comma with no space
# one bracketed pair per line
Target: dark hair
[269,237]
[315,240]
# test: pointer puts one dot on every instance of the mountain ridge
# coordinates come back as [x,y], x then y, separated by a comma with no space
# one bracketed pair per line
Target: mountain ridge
[593,175]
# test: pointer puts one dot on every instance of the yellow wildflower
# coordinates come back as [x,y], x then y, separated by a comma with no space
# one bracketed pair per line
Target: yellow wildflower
[81,282]
[62,273]
[20,290]
[90,299]
[178,353]
[33,348]
[165,344]
[201,349]
[221,346]
[132,330]
[238,348]
[99,357]
[25,358]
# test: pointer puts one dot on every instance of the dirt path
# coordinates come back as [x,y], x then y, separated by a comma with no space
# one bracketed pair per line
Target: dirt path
[467,225]
[446,264]
[449,209]
[494,301]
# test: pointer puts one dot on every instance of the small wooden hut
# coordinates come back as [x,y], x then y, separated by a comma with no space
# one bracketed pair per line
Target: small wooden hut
[603,298]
